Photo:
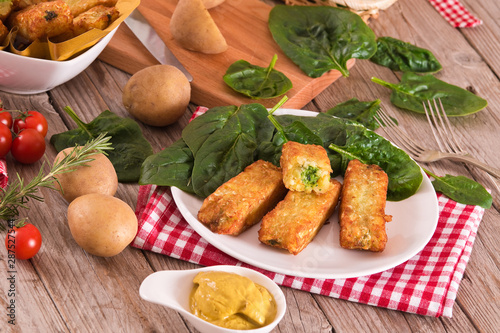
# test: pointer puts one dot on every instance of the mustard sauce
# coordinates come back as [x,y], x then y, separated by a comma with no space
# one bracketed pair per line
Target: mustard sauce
[232,301]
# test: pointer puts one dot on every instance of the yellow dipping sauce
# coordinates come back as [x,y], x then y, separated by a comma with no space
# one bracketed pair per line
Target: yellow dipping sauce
[231,301]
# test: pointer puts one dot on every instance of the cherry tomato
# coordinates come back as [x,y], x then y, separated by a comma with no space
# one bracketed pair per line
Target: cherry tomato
[5,140]
[5,118]
[28,146]
[30,119]
[24,241]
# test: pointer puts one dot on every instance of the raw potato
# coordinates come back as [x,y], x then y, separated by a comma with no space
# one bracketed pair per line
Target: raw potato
[212,3]
[194,29]
[157,95]
[98,176]
[101,224]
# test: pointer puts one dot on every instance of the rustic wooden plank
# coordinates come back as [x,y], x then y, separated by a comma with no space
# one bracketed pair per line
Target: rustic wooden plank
[485,38]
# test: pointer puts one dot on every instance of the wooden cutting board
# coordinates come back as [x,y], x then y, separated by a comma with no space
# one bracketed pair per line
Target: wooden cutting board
[244,25]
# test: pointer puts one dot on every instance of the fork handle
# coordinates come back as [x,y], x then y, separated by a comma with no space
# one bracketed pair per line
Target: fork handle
[469,159]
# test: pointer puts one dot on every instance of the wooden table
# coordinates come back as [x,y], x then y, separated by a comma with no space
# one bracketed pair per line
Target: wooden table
[65,289]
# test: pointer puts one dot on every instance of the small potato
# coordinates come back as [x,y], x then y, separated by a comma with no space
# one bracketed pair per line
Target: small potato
[194,29]
[98,176]
[157,95]
[212,3]
[101,224]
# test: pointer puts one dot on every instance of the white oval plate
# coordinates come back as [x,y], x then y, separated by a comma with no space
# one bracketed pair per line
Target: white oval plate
[414,221]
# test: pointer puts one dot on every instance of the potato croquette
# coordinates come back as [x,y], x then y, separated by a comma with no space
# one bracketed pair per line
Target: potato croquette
[305,167]
[362,215]
[243,200]
[297,219]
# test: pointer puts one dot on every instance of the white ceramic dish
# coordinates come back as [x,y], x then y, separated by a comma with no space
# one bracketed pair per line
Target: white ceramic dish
[26,75]
[172,289]
[413,224]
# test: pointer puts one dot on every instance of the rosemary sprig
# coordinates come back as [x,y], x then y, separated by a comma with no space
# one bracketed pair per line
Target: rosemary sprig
[17,194]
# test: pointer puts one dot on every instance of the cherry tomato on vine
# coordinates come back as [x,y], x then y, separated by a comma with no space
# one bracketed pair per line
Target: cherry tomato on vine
[30,119]
[28,146]
[5,118]
[24,241]
[5,140]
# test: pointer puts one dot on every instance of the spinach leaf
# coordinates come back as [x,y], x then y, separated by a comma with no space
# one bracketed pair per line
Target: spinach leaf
[368,147]
[172,166]
[226,151]
[362,112]
[257,82]
[321,38]
[130,148]
[415,89]
[462,190]
[295,131]
[402,56]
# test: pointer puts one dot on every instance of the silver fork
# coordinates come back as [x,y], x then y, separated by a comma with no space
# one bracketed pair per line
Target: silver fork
[425,155]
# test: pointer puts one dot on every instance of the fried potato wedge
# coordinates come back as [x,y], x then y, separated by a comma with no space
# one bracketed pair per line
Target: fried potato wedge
[98,17]
[43,20]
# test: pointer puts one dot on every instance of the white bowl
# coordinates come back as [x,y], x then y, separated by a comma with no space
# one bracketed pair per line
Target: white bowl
[172,289]
[26,75]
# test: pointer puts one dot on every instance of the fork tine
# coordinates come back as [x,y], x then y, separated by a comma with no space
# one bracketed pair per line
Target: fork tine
[451,133]
[441,127]
[429,112]
[396,134]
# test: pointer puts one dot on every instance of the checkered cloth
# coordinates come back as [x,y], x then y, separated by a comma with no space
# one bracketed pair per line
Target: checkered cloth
[427,284]
[4,177]
[455,13]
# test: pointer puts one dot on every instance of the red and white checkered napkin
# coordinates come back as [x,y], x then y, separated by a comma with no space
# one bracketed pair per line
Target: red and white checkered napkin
[427,284]
[455,13]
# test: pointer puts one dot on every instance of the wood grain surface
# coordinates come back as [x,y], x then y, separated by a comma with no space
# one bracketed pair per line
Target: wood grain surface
[243,23]
[64,289]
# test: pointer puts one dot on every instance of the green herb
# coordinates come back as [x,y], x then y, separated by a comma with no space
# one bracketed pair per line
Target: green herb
[17,194]
[130,146]
[415,89]
[462,189]
[405,57]
[321,38]
[362,112]
[257,82]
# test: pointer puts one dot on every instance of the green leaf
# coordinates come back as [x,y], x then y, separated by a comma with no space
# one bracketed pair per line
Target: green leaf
[228,149]
[321,38]
[362,112]
[257,82]
[172,166]
[415,89]
[463,190]
[405,176]
[405,57]
[130,148]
